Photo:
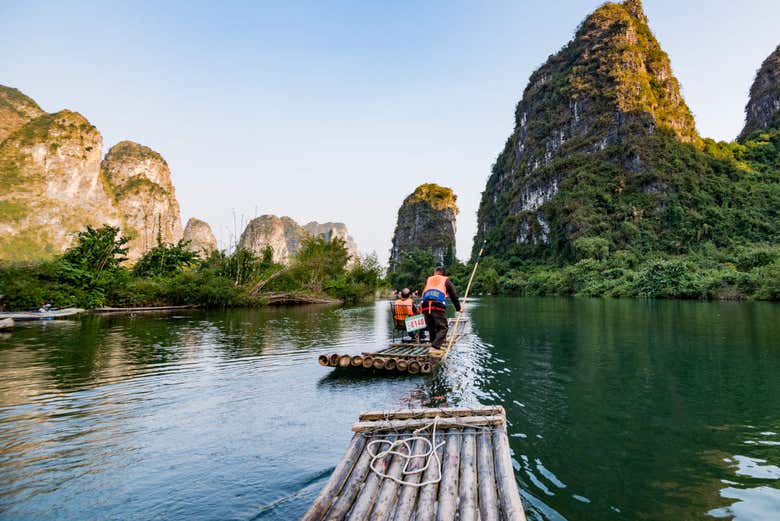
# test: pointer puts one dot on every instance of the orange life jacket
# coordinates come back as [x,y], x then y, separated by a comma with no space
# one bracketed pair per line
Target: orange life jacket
[435,290]
[403,308]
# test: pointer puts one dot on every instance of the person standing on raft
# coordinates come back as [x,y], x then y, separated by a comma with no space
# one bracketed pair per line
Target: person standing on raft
[434,302]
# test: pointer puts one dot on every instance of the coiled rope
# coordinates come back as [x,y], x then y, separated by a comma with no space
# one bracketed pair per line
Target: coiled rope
[429,454]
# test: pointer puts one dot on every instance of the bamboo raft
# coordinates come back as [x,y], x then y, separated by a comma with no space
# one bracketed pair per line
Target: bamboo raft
[399,357]
[470,478]
[6,323]
[42,315]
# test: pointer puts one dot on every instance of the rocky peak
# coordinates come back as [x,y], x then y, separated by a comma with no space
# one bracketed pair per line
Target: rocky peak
[141,184]
[426,220]
[52,185]
[200,237]
[282,234]
[763,108]
[16,110]
[332,230]
[601,96]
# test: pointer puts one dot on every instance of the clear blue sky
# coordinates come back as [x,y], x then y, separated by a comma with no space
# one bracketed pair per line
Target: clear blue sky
[336,111]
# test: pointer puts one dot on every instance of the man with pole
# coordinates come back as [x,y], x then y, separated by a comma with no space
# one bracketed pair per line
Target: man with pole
[434,302]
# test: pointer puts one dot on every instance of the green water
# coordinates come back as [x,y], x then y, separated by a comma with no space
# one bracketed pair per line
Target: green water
[617,409]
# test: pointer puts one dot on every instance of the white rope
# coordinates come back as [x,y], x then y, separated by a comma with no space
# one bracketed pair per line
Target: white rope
[429,454]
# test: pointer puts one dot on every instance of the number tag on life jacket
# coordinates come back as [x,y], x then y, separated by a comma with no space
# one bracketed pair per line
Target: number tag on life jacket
[415,323]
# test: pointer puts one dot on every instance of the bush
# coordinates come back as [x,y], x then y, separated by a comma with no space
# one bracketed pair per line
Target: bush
[165,259]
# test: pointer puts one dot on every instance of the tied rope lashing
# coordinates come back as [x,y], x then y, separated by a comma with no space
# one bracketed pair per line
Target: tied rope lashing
[429,454]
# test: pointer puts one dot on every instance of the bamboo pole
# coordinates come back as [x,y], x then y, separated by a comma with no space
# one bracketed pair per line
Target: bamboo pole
[463,304]
[425,367]
[333,360]
[414,367]
[428,493]
[345,361]
[482,410]
[365,499]
[349,492]
[406,499]
[391,364]
[448,488]
[488,501]
[357,361]
[508,496]
[337,479]
[368,362]
[379,363]
[402,365]
[323,360]
[467,508]
[383,506]
[411,424]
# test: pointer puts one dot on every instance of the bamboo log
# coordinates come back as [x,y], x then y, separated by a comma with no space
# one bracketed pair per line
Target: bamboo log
[323,360]
[406,499]
[426,367]
[391,364]
[379,363]
[488,501]
[365,499]
[368,362]
[508,496]
[443,423]
[333,360]
[428,493]
[448,488]
[388,491]
[357,361]
[482,410]
[414,367]
[345,361]
[349,492]
[337,479]
[467,508]
[402,365]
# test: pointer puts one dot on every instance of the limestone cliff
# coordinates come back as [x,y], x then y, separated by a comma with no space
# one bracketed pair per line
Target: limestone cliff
[330,231]
[763,108]
[584,156]
[426,220]
[52,185]
[16,110]
[282,234]
[200,237]
[141,183]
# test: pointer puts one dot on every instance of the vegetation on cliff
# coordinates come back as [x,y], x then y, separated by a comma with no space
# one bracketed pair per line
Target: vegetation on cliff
[92,273]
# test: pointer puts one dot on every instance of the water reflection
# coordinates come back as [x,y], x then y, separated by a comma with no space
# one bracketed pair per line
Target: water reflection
[617,409]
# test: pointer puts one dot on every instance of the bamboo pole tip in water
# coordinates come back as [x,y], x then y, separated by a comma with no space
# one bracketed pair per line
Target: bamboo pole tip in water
[391,364]
[357,360]
[414,367]
[425,367]
[333,360]
[345,360]
[368,362]
[379,363]
[323,360]
[402,365]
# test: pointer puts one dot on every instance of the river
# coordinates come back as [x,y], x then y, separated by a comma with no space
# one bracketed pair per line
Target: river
[618,409]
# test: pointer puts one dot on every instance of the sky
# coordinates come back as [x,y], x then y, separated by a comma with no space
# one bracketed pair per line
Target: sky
[336,111]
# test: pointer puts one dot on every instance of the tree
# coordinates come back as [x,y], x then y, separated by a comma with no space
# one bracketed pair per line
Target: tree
[412,269]
[165,259]
[97,250]
[319,262]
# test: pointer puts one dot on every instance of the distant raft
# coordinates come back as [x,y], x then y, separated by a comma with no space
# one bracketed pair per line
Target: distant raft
[42,315]
[424,464]
[400,357]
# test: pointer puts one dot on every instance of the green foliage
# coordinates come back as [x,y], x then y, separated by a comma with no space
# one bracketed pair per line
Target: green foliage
[358,283]
[411,271]
[319,262]
[165,260]
[97,250]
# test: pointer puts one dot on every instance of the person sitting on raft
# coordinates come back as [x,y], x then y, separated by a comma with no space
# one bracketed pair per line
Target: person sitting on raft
[434,302]
[404,306]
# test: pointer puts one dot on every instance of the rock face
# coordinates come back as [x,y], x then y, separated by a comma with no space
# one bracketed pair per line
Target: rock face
[198,233]
[596,105]
[333,231]
[52,186]
[285,236]
[282,234]
[16,110]
[426,220]
[141,183]
[763,108]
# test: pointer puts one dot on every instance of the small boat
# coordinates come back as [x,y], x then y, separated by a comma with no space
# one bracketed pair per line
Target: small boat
[42,315]
[424,464]
[6,323]
[399,357]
